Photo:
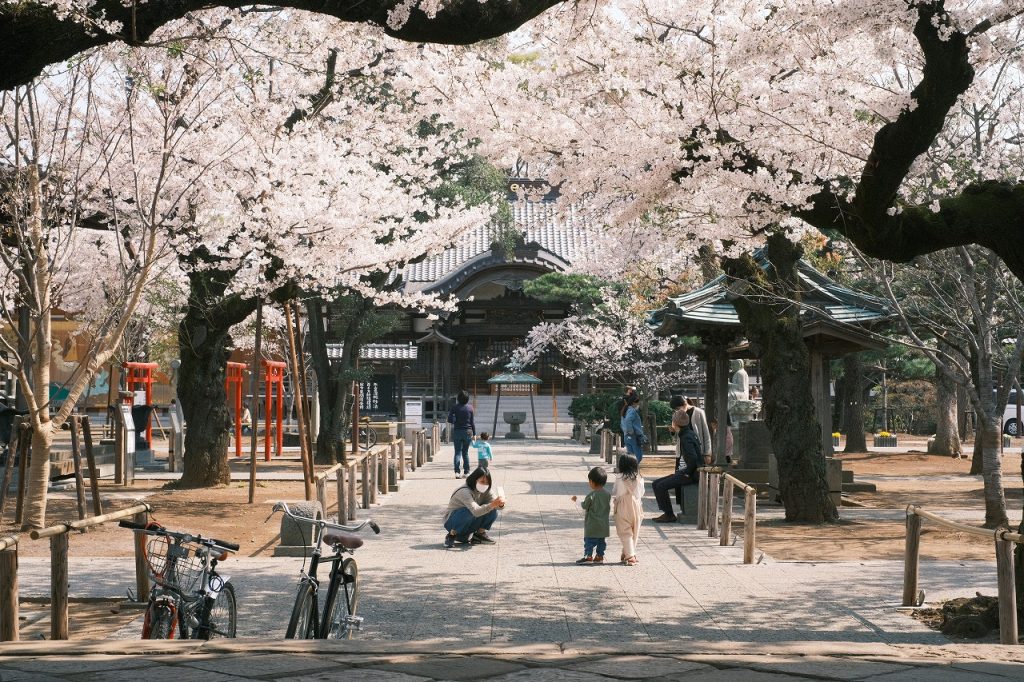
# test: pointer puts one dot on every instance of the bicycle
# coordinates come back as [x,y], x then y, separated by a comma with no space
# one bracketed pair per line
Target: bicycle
[188,594]
[339,619]
[366,435]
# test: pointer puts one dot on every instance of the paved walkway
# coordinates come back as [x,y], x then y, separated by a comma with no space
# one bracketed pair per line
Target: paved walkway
[526,606]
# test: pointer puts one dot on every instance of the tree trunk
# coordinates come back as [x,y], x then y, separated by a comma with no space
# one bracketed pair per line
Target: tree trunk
[332,391]
[203,342]
[38,477]
[853,403]
[947,435]
[772,324]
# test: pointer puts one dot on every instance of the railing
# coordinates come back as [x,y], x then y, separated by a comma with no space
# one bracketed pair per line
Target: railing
[1004,541]
[710,481]
[58,534]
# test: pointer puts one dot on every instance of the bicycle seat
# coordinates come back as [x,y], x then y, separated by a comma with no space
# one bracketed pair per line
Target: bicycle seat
[344,539]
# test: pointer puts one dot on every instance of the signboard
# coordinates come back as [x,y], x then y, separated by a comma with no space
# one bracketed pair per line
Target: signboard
[413,413]
[129,427]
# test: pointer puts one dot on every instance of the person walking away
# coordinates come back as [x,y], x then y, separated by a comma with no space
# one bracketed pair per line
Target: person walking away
[472,510]
[690,455]
[627,496]
[632,426]
[483,450]
[596,506]
[463,428]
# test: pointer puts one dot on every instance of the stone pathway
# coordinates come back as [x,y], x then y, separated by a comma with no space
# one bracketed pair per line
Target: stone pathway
[528,609]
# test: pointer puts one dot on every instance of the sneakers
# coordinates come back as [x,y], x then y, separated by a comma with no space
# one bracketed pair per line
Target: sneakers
[664,518]
[482,538]
[462,539]
[585,560]
[599,560]
[449,540]
[458,475]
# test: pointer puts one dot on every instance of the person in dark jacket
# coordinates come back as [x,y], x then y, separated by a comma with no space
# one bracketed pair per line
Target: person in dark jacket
[690,455]
[463,429]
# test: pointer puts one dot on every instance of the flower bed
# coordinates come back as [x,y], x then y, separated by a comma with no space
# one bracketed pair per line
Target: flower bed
[884,439]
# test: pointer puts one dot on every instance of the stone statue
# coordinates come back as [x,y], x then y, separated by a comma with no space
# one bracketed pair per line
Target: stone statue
[739,384]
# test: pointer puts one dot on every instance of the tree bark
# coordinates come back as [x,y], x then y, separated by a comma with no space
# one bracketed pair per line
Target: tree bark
[203,342]
[853,403]
[772,324]
[333,393]
[32,36]
[947,435]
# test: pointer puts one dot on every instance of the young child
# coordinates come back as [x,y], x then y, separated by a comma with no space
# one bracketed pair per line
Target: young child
[628,508]
[483,450]
[595,521]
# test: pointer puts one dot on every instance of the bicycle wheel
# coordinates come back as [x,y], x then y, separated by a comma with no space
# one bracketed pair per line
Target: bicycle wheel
[223,618]
[300,625]
[367,438]
[342,600]
[159,622]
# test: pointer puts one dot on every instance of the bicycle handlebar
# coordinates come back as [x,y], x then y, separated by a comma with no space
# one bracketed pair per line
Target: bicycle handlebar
[187,537]
[283,508]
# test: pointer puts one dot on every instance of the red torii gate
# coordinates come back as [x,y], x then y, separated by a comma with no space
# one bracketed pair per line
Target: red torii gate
[141,374]
[233,387]
[273,375]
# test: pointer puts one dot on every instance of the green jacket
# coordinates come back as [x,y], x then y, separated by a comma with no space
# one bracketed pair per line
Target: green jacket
[598,505]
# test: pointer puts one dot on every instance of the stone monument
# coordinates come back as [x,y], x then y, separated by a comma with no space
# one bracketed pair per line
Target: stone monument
[514,419]
[741,407]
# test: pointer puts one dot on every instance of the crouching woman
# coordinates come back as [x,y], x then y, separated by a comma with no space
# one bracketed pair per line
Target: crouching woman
[472,510]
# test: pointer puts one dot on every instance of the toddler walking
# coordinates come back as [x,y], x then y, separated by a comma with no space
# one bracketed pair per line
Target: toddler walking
[627,496]
[483,450]
[596,506]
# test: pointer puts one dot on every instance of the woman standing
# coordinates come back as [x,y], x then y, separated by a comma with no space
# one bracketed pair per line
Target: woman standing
[632,426]
[472,510]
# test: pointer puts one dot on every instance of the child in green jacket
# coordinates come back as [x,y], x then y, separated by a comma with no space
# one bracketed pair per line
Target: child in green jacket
[597,506]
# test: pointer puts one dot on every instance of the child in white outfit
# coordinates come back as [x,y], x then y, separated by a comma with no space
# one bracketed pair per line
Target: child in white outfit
[627,506]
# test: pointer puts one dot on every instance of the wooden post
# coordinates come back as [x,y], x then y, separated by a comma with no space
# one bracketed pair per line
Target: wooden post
[713,482]
[304,452]
[726,514]
[90,461]
[59,586]
[254,405]
[911,558]
[389,456]
[365,471]
[141,570]
[401,459]
[24,440]
[76,458]
[119,444]
[342,501]
[702,502]
[321,493]
[749,526]
[1007,597]
[351,473]
[374,476]
[9,624]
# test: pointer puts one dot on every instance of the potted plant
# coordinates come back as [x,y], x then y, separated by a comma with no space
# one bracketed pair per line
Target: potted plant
[884,439]
[835,439]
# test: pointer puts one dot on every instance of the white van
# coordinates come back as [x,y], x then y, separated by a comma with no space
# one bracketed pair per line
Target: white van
[1010,425]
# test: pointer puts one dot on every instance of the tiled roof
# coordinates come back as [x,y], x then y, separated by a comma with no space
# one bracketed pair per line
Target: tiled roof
[709,306]
[376,351]
[566,236]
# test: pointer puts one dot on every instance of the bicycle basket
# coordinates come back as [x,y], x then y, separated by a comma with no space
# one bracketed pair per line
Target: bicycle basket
[174,564]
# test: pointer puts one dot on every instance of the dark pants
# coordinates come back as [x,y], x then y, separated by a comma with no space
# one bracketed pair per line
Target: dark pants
[461,439]
[591,544]
[663,485]
[465,524]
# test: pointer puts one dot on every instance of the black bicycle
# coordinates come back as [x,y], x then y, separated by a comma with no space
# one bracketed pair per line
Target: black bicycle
[338,619]
[189,597]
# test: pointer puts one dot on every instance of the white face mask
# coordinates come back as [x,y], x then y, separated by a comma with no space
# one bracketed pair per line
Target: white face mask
[482,488]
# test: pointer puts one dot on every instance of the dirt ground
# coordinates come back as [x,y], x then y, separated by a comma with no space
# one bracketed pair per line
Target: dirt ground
[928,480]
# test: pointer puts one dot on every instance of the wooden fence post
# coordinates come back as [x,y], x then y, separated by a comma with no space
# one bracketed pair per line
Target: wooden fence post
[1007,597]
[365,471]
[76,459]
[351,473]
[714,481]
[383,464]
[90,461]
[726,514]
[9,625]
[59,586]
[911,558]
[141,569]
[401,459]
[342,502]
[321,493]
[24,452]
[702,501]
[749,525]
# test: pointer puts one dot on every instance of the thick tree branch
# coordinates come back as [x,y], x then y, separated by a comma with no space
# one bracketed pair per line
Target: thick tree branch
[32,37]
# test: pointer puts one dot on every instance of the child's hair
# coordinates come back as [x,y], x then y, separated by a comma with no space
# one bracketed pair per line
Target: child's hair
[629,468]
[598,475]
[484,435]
